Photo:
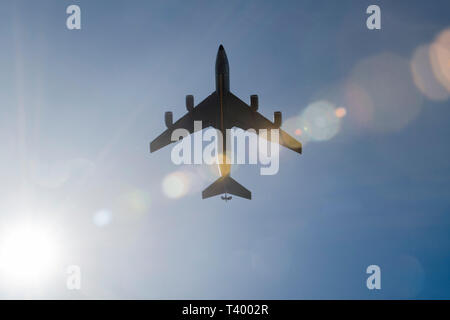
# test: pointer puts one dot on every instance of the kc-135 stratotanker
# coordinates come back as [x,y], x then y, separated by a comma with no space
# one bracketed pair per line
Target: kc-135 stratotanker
[222,110]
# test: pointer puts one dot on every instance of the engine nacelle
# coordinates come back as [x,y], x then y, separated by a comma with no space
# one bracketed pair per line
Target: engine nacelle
[168,118]
[254,102]
[190,102]
[277,119]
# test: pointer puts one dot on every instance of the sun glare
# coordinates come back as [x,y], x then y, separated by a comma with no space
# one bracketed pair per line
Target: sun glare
[28,254]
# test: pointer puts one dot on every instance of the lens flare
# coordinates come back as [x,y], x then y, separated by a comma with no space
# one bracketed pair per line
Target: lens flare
[424,77]
[440,58]
[340,112]
[102,218]
[360,104]
[130,206]
[137,200]
[292,127]
[385,81]
[319,122]
[176,185]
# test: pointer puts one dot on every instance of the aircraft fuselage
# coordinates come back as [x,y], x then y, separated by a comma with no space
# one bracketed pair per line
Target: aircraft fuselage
[222,89]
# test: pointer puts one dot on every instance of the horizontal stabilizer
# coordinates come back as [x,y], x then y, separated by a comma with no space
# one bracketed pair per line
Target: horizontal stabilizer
[226,184]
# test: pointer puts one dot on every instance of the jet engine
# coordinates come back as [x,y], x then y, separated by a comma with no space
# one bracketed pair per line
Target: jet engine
[277,119]
[254,102]
[190,102]
[168,118]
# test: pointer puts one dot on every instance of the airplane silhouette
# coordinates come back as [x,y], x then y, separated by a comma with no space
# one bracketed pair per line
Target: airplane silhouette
[223,110]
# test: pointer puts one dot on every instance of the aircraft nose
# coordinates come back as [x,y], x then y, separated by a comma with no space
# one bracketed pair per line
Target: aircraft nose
[221,61]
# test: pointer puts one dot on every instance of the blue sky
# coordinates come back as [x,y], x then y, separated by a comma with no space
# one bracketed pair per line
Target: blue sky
[79,108]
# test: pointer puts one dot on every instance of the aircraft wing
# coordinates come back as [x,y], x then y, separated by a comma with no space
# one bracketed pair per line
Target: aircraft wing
[245,118]
[204,112]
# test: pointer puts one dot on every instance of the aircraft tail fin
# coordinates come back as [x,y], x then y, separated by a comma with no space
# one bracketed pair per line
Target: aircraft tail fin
[226,184]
